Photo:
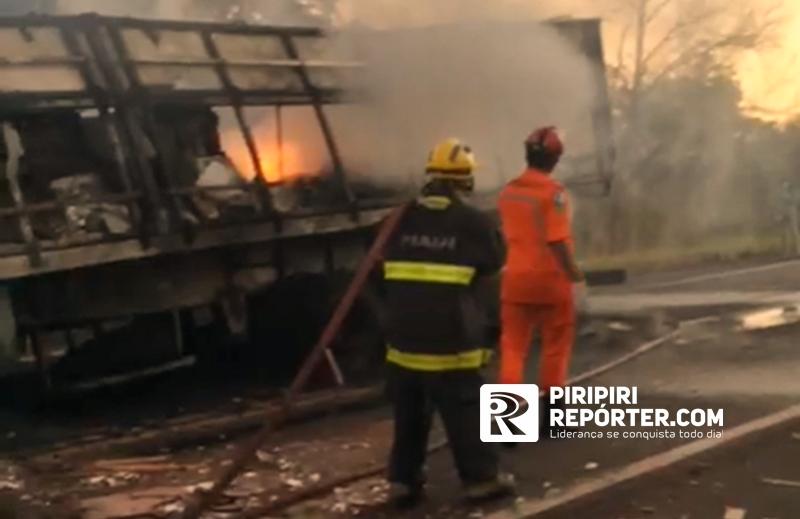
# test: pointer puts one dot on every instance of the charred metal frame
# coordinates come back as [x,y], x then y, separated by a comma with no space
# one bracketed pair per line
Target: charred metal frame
[241,120]
[327,131]
[586,34]
[98,52]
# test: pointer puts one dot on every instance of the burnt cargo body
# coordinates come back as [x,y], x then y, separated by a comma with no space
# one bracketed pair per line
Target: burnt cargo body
[124,215]
[118,200]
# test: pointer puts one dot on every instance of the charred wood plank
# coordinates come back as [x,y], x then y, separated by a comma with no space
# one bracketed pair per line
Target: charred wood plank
[15,151]
[181,435]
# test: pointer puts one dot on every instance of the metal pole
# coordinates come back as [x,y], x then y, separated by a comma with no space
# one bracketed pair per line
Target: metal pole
[335,369]
[178,332]
[325,126]
[250,141]
[15,151]
[279,138]
[42,360]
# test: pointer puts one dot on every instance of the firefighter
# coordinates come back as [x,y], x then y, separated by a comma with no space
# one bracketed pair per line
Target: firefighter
[540,275]
[439,253]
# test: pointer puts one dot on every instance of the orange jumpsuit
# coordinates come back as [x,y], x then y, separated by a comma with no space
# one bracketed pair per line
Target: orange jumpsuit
[536,293]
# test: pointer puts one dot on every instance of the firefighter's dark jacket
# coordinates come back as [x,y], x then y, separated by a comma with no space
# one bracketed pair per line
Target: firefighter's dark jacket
[432,265]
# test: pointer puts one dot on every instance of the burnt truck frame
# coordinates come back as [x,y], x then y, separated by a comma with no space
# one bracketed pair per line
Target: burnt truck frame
[126,77]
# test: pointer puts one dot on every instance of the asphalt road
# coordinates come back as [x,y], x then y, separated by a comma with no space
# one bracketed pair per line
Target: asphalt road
[756,480]
[709,365]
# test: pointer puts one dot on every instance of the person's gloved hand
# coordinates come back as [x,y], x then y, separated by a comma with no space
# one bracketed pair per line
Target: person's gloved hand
[580,296]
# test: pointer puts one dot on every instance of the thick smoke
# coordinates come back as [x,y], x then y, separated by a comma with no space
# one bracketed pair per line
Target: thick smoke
[489,83]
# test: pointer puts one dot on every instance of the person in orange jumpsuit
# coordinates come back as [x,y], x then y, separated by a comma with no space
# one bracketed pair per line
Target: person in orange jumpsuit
[539,273]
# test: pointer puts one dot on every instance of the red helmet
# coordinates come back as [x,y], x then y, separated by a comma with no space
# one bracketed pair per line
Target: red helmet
[545,141]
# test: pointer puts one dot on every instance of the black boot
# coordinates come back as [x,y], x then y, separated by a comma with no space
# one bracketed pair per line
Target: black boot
[407,495]
[403,496]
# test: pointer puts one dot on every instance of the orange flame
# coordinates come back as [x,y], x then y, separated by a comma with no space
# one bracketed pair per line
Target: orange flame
[277,166]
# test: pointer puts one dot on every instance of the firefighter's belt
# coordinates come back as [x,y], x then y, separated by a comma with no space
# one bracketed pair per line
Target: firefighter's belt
[428,272]
[472,359]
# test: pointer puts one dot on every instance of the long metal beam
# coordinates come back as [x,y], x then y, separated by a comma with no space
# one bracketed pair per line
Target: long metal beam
[84,20]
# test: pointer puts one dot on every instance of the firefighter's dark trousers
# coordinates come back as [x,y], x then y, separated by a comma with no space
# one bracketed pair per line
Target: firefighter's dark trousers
[455,395]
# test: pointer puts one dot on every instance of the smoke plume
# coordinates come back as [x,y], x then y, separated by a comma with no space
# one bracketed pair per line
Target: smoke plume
[487,82]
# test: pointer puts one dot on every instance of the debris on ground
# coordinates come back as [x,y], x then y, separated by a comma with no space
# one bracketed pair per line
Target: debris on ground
[284,465]
[781,482]
[293,483]
[10,478]
[734,513]
[769,318]
[553,491]
[149,464]
[619,326]
[117,480]
[266,457]
[127,504]
[10,484]
[591,466]
[205,486]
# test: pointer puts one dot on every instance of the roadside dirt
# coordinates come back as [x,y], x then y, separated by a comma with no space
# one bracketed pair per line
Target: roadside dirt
[100,484]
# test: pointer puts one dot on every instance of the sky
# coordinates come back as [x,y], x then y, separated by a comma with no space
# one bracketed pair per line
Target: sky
[770,77]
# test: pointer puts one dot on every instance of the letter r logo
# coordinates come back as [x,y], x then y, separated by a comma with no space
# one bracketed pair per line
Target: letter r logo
[509,413]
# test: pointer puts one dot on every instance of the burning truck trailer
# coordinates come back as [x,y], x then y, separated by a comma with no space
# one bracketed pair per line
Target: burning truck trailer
[131,235]
[149,221]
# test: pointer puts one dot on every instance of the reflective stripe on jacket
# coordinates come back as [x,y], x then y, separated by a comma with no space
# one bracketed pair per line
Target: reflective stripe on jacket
[472,359]
[428,272]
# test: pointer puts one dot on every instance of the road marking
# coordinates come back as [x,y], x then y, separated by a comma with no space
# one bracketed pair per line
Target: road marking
[722,275]
[647,466]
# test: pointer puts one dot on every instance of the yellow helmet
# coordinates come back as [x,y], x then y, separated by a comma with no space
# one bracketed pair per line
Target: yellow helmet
[451,159]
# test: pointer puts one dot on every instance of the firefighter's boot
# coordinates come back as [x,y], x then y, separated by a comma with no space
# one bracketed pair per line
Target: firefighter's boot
[407,495]
[503,485]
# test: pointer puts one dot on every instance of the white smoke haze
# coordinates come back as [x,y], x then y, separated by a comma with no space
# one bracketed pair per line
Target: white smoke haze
[488,83]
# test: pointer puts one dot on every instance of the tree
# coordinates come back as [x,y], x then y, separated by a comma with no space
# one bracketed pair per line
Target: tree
[673,92]
[668,38]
